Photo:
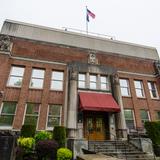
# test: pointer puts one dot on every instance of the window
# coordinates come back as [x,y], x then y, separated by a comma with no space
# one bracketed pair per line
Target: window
[158,115]
[139,88]
[104,83]
[144,116]
[128,113]
[54,116]
[124,85]
[152,89]
[7,113]
[57,80]
[32,112]
[37,78]
[81,80]
[16,76]
[93,82]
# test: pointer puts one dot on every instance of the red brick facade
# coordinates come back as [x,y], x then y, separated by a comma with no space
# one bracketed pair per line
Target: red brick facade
[48,56]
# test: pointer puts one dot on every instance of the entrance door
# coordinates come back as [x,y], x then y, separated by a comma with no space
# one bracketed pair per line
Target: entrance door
[94,128]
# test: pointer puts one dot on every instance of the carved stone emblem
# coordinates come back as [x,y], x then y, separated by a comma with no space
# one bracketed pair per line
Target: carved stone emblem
[5,43]
[157,66]
[92,59]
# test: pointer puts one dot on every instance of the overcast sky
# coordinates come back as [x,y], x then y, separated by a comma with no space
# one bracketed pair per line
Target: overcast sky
[136,21]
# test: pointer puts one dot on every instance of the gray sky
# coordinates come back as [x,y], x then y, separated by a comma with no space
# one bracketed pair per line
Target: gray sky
[136,21]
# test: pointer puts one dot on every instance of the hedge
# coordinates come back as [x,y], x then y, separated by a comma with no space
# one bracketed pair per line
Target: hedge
[153,131]
[28,130]
[59,134]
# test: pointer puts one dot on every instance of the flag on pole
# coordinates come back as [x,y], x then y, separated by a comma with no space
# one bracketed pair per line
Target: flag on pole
[91,14]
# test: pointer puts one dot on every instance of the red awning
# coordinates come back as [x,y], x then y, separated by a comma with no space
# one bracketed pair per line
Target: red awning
[98,102]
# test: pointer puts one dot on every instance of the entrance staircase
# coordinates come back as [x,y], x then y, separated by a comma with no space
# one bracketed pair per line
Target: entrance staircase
[120,149]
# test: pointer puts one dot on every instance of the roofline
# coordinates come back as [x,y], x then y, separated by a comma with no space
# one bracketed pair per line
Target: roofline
[76,33]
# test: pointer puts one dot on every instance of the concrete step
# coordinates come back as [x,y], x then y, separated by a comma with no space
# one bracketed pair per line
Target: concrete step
[120,149]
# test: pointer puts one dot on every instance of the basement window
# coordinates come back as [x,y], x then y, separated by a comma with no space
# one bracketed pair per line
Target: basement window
[144,116]
[32,113]
[128,113]
[7,113]
[54,116]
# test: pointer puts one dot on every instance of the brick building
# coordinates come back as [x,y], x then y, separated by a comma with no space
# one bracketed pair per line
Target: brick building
[94,86]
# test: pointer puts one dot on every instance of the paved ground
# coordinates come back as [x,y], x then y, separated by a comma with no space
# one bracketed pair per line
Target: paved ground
[96,157]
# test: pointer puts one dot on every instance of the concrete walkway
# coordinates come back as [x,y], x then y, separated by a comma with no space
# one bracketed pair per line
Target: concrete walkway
[96,157]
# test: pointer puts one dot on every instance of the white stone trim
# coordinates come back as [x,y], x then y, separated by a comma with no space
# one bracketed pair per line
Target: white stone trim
[137,74]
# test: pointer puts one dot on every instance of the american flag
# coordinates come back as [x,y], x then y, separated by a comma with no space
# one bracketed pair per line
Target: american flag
[91,14]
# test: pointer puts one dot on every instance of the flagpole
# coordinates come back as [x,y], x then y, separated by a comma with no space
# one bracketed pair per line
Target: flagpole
[86,21]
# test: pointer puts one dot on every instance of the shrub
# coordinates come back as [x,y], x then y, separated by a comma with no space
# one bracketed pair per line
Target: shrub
[43,135]
[46,148]
[28,130]
[59,134]
[64,154]
[19,153]
[26,143]
[153,131]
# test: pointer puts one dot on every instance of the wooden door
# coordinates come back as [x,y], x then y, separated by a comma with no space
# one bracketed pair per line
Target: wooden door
[94,128]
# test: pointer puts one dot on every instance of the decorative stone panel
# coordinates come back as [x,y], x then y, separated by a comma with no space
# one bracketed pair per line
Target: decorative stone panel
[5,43]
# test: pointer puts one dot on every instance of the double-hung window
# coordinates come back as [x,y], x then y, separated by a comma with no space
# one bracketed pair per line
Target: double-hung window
[158,115]
[81,80]
[124,85]
[104,83]
[93,82]
[37,78]
[128,113]
[32,113]
[152,89]
[54,116]
[139,88]
[144,116]
[16,76]
[57,80]
[7,113]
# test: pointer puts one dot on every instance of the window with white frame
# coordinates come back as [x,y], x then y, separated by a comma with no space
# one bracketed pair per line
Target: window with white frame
[57,80]
[152,89]
[32,113]
[139,88]
[124,85]
[7,113]
[93,82]
[37,78]
[104,83]
[144,116]
[16,76]
[158,115]
[81,80]
[54,116]
[129,118]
